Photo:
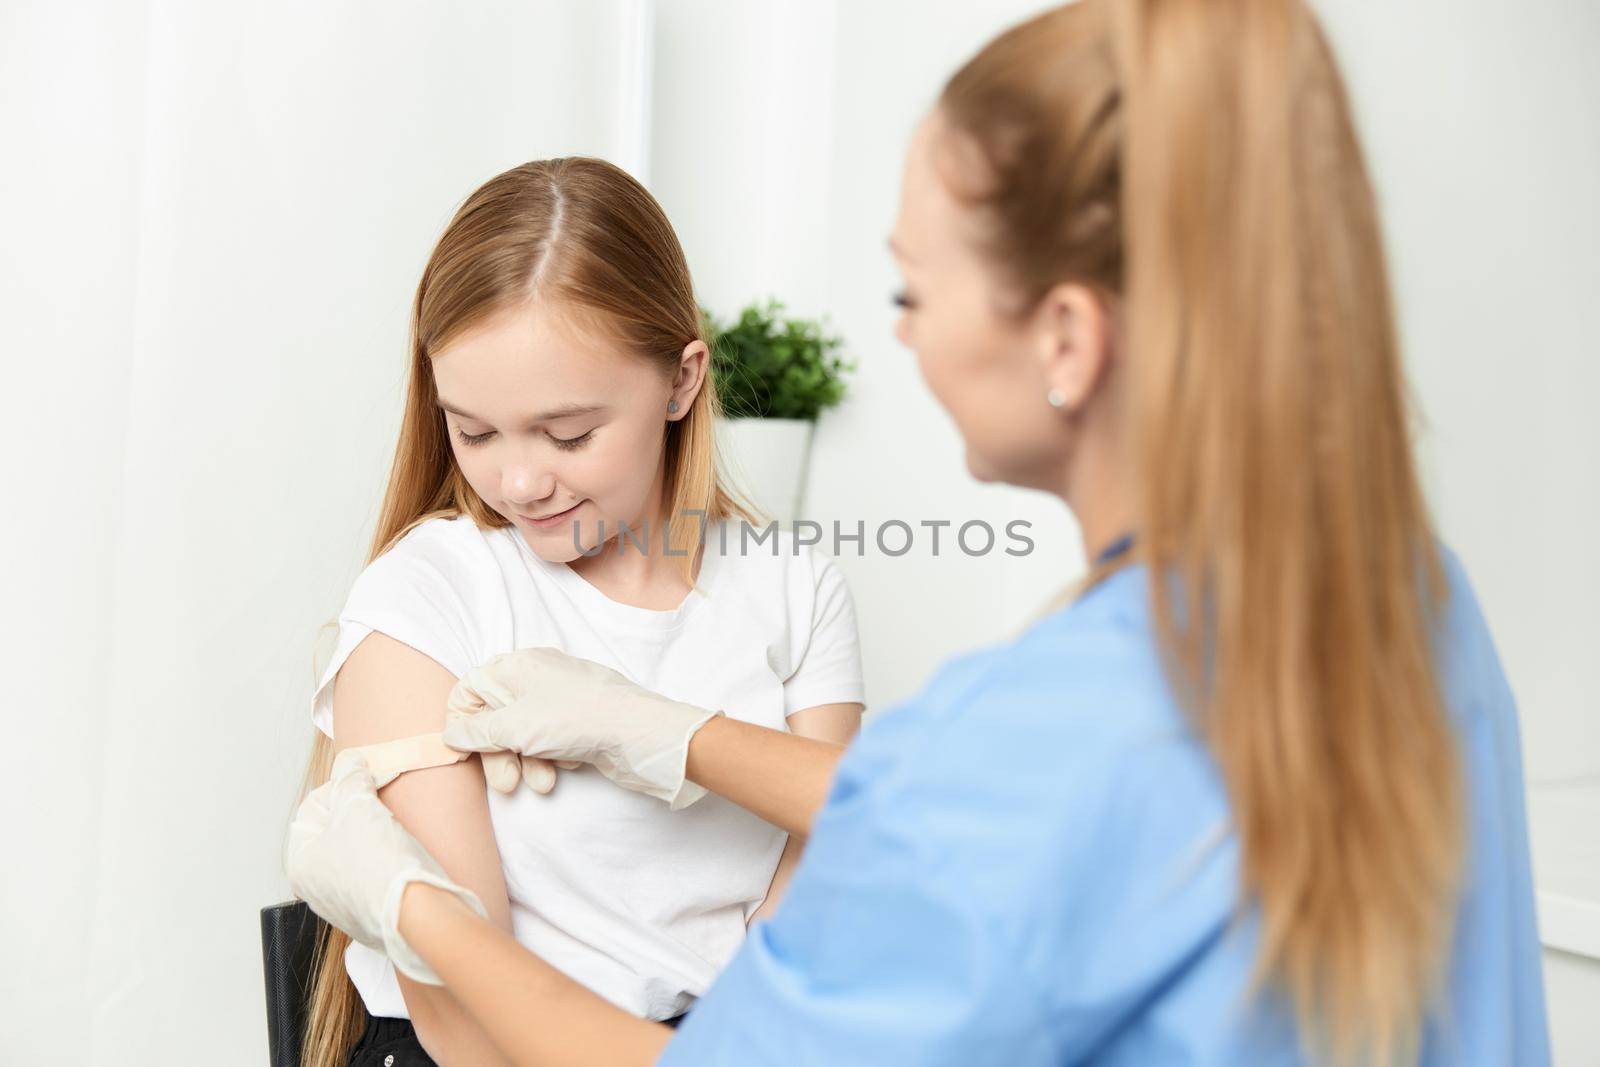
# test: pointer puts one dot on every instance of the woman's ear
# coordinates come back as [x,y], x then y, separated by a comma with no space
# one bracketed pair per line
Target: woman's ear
[1072,338]
[690,376]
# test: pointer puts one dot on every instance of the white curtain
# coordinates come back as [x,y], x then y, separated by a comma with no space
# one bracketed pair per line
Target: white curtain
[214,217]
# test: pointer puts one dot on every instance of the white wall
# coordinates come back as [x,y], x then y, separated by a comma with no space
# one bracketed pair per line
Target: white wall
[1482,121]
[216,216]
[829,93]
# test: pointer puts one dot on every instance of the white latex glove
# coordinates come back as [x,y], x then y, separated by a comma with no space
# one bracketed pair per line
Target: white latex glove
[349,858]
[544,703]
[502,769]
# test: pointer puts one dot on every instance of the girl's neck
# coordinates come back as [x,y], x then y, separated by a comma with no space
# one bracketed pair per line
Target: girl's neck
[634,568]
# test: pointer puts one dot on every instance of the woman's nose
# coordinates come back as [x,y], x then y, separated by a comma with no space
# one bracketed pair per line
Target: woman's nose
[902,331]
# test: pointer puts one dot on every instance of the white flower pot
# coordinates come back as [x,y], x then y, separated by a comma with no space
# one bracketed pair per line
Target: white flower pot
[766,460]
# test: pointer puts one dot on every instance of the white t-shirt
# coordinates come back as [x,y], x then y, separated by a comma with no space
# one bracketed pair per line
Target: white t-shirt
[639,903]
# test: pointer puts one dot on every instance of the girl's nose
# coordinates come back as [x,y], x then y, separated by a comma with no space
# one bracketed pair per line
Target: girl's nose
[526,483]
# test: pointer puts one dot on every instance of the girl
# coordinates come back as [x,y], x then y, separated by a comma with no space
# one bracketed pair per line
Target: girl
[559,395]
[1255,796]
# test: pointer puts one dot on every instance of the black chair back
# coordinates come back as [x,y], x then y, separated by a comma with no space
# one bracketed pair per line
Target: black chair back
[289,936]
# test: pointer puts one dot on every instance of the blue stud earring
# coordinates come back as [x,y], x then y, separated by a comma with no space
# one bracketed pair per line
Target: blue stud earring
[672,407]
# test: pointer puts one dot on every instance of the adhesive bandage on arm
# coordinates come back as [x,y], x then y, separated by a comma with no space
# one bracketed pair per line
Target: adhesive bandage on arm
[390,759]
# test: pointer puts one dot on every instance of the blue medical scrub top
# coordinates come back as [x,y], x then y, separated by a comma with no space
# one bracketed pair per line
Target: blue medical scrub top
[1029,862]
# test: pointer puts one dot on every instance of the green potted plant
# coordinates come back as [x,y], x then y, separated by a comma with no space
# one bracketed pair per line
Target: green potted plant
[775,375]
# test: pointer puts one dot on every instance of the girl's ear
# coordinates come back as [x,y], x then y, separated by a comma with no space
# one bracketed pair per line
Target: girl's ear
[691,375]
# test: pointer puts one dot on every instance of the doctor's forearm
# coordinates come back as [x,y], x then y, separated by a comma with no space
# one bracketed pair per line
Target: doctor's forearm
[536,1015]
[781,777]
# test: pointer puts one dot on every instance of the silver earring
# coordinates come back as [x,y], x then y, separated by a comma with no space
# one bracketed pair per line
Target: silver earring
[1056,398]
[672,407]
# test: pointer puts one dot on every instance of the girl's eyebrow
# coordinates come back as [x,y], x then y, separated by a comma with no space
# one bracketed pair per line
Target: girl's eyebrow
[565,411]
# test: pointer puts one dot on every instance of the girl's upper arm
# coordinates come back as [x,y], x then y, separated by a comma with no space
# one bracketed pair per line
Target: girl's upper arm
[385,690]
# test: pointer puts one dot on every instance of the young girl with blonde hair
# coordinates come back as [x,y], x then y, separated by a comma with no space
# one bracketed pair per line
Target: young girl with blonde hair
[559,397]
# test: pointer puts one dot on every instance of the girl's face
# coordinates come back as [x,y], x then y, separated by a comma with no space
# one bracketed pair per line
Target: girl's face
[557,429]
[991,371]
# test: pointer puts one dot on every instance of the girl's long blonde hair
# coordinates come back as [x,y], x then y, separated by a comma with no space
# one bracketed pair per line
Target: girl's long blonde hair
[582,235]
[1197,159]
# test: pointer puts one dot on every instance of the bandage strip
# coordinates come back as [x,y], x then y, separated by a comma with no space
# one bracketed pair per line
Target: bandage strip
[391,759]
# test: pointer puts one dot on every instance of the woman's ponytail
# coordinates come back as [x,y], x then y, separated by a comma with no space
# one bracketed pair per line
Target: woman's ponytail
[1276,480]
[1279,485]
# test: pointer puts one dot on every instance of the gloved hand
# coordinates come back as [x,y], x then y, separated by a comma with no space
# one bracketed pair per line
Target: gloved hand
[502,769]
[349,858]
[544,703]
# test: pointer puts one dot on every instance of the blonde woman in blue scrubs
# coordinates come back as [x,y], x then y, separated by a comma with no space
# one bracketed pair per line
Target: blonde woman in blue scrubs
[1266,809]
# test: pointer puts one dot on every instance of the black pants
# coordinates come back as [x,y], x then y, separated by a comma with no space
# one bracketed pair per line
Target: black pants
[393,1043]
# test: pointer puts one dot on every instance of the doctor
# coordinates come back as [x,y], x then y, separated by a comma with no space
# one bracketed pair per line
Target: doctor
[1143,272]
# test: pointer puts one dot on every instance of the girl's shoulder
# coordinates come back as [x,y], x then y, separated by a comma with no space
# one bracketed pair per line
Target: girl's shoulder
[448,560]
[434,588]
[442,537]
